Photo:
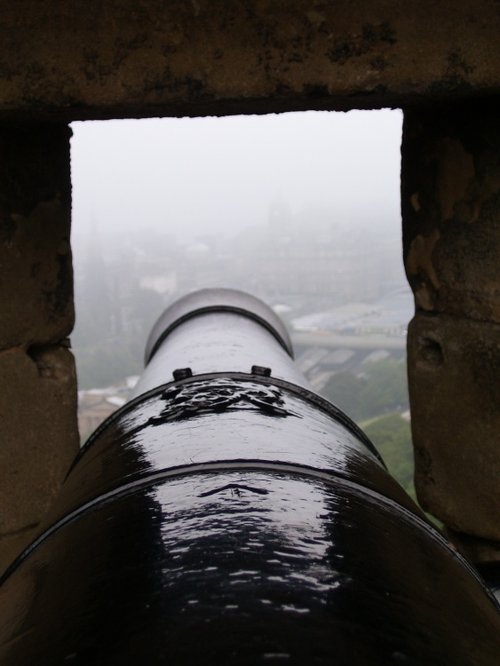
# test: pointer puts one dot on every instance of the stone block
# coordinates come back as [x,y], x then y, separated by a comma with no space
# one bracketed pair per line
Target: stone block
[451,208]
[126,58]
[39,433]
[454,384]
[36,277]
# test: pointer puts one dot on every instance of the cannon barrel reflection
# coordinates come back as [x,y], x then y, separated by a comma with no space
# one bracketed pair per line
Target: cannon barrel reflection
[229,515]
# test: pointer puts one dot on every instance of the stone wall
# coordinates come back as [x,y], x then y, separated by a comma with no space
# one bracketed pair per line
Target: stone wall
[438,60]
[38,387]
[131,58]
[451,209]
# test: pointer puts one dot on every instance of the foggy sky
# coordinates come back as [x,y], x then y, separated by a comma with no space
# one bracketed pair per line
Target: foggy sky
[205,175]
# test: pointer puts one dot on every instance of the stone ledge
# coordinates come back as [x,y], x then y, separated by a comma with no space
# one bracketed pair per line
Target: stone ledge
[128,58]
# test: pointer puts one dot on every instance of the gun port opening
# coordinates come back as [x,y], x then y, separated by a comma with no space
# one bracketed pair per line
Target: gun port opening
[300,209]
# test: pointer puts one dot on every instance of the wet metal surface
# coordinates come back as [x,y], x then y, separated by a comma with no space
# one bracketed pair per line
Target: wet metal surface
[222,419]
[236,518]
[205,301]
[245,568]
[218,342]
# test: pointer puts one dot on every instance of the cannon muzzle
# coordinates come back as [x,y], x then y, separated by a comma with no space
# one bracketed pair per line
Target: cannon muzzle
[229,515]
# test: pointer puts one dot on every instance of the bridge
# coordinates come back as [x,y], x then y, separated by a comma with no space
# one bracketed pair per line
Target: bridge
[335,341]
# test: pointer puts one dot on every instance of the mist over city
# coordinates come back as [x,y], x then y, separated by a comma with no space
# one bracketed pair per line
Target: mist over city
[203,176]
[302,210]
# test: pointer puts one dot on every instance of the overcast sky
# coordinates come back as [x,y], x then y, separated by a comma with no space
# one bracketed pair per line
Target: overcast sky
[193,176]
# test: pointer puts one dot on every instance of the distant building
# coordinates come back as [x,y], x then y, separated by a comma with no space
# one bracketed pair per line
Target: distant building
[95,405]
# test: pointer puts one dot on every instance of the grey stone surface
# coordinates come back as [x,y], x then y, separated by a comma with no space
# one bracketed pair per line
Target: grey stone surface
[39,433]
[36,275]
[150,57]
[451,237]
[38,383]
[451,209]
[454,380]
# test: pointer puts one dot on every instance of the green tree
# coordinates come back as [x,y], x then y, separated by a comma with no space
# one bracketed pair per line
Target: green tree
[344,390]
[382,389]
[385,389]
[392,436]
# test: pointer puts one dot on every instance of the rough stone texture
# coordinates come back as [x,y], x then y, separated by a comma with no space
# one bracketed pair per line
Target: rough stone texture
[155,57]
[454,373]
[451,238]
[451,209]
[36,283]
[39,437]
[38,384]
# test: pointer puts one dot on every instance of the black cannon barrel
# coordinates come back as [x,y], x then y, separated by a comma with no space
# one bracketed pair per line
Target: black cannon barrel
[229,515]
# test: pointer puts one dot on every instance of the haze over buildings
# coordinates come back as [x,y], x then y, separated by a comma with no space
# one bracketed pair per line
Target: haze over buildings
[300,209]
[196,176]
